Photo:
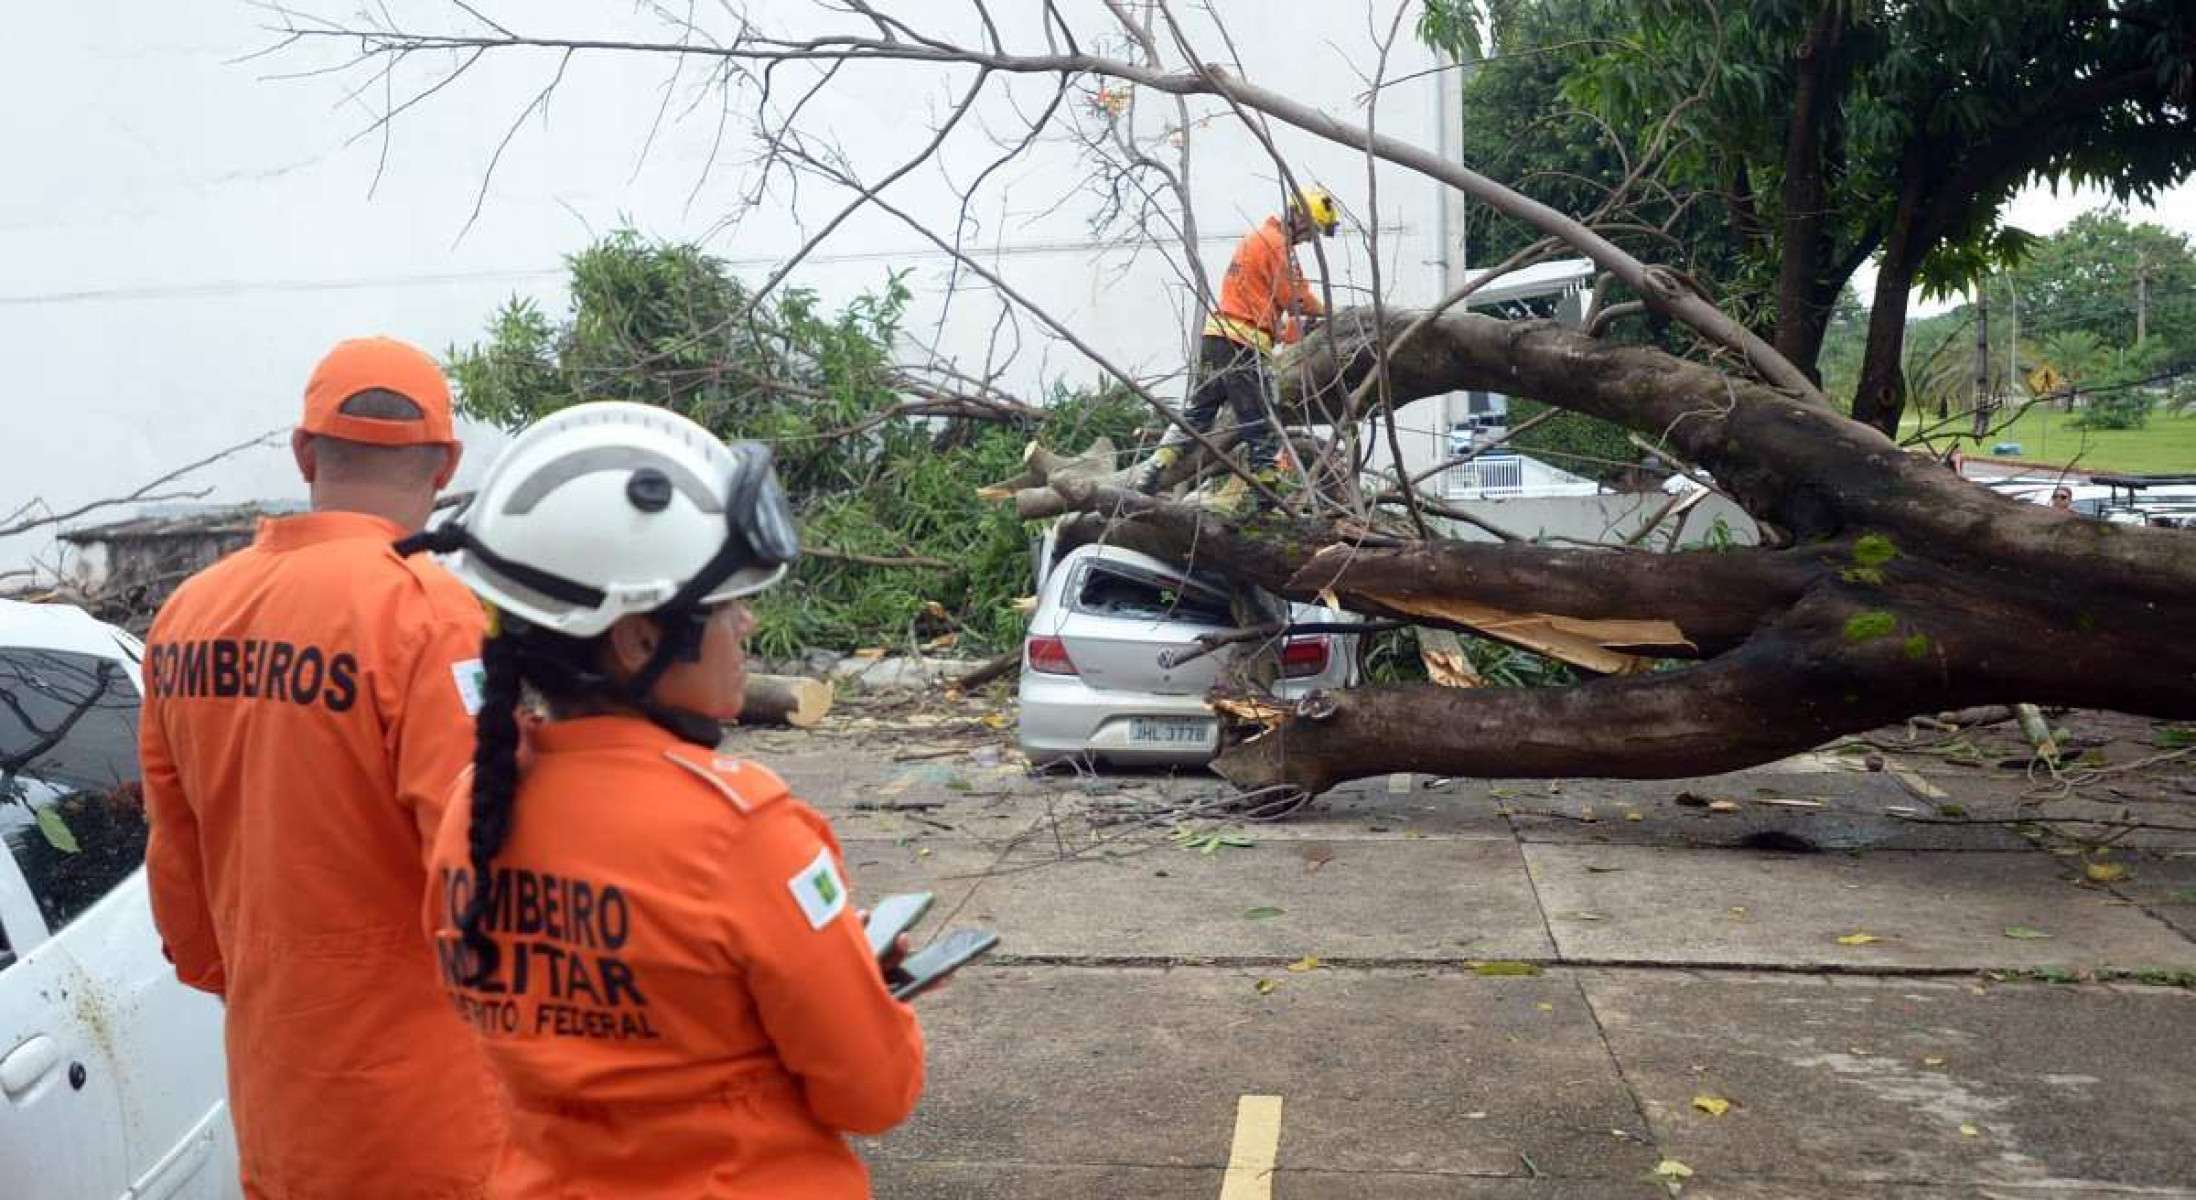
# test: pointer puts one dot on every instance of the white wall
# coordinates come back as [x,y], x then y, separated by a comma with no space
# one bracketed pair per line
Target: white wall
[1607,518]
[181,237]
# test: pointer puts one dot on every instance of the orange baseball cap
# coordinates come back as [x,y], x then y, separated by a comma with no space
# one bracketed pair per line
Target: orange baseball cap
[378,364]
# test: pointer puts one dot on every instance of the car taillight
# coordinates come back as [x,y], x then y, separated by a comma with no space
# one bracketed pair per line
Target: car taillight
[1303,656]
[1049,656]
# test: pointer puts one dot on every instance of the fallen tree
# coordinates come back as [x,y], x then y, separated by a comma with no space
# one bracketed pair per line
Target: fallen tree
[1893,587]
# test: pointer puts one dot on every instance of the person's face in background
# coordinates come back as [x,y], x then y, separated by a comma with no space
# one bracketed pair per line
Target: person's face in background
[2062,498]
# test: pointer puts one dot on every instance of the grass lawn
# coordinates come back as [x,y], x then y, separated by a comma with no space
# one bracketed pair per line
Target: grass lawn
[2167,444]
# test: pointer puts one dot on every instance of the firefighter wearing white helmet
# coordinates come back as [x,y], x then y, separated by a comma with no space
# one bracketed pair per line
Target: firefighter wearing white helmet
[652,939]
[1264,300]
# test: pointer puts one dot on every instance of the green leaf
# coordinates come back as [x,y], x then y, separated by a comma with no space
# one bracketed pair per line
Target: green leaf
[1263,912]
[2022,933]
[1505,968]
[56,831]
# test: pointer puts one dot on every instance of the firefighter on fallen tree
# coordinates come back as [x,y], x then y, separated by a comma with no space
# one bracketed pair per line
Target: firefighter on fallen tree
[1264,301]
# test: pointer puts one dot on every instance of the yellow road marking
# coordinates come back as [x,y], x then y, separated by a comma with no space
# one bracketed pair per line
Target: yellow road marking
[1257,1146]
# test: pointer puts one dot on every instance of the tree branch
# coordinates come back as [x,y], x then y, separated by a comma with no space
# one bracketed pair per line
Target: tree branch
[144,493]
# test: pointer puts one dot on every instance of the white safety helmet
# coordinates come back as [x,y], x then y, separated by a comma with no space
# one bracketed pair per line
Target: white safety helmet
[608,509]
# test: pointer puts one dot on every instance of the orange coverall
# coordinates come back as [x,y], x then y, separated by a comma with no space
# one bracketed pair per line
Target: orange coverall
[684,1003]
[305,713]
[1264,295]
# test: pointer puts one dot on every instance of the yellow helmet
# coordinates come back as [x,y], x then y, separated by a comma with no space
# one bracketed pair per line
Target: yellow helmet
[1317,205]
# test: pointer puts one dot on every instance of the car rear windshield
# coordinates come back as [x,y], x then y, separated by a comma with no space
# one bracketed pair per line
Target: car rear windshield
[1120,590]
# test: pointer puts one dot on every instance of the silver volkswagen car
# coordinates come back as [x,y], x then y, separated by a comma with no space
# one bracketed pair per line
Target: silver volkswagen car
[1094,683]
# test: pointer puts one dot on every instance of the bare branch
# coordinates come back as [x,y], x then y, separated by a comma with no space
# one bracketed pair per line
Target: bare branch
[145,493]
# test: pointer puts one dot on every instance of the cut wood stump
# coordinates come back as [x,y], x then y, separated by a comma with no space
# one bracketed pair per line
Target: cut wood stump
[793,700]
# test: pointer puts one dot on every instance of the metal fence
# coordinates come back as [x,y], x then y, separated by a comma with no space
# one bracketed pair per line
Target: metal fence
[1493,475]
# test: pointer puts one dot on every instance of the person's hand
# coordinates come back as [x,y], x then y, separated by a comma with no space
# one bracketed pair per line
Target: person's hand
[890,960]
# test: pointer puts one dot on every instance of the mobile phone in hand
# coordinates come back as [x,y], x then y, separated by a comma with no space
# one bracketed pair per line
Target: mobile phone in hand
[923,969]
[893,916]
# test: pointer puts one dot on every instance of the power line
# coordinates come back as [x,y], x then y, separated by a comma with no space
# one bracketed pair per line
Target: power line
[428,279]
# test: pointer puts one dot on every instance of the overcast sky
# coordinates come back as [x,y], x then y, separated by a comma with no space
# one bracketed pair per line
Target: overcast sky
[2040,210]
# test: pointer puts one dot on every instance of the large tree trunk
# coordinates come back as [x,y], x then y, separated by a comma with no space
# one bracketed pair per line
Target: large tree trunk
[1880,397]
[1899,588]
[1803,307]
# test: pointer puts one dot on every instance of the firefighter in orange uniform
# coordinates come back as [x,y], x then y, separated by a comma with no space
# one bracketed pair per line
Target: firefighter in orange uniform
[1264,300]
[654,943]
[305,716]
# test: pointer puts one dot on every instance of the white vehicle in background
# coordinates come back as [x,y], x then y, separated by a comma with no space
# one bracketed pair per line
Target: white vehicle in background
[1094,680]
[112,1080]
[2162,501]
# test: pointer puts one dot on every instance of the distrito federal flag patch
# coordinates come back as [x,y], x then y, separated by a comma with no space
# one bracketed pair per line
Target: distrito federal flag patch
[471,679]
[819,890]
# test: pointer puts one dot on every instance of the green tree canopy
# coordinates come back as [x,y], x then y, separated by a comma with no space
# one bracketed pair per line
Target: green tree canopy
[878,465]
[2113,278]
[1824,132]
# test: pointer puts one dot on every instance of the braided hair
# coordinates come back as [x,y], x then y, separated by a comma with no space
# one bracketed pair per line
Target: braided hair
[513,658]
[495,786]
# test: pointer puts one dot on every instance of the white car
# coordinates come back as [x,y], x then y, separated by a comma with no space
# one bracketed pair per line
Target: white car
[1094,680]
[112,1080]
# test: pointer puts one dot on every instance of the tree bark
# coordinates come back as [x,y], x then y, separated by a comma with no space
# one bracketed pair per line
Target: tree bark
[1848,657]
[1810,472]
[1880,397]
[1716,600]
[1804,259]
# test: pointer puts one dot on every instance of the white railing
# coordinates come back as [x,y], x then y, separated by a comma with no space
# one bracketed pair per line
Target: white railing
[1493,475]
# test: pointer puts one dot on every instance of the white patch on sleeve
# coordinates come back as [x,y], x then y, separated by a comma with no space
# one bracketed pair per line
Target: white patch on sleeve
[471,678]
[819,891]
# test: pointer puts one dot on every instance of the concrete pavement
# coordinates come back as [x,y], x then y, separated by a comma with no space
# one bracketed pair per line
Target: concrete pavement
[1519,990]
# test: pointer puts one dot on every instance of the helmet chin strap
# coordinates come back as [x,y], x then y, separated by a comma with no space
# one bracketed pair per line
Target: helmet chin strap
[682,642]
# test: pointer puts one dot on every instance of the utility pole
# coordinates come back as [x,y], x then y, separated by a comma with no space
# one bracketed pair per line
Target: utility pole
[2142,296]
[1982,358]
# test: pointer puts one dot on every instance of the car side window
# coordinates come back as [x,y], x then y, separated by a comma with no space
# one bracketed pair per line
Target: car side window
[71,810]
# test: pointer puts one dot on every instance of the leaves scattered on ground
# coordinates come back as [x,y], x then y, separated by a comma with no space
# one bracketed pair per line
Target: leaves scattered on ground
[1714,1106]
[1264,912]
[2022,933]
[1505,967]
[1209,841]
[1858,939]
